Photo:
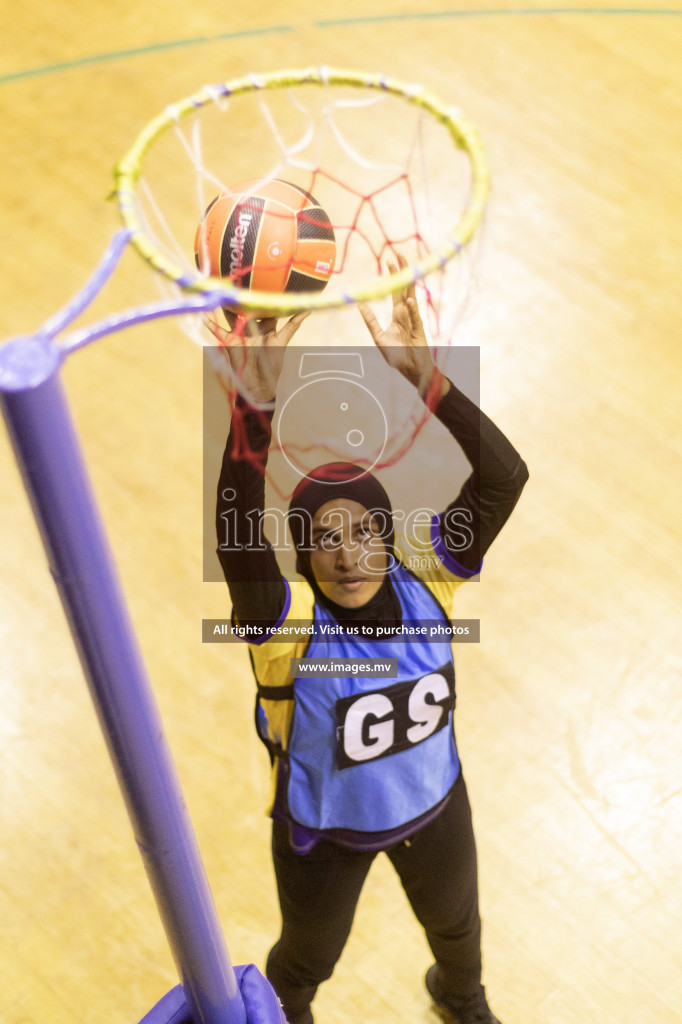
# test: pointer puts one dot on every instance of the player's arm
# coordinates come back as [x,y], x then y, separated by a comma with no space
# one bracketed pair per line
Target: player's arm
[498,475]
[258,591]
[471,522]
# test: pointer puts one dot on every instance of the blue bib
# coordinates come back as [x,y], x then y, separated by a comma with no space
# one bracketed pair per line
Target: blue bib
[366,754]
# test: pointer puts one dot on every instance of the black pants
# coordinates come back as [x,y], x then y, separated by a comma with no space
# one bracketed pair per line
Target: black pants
[319,891]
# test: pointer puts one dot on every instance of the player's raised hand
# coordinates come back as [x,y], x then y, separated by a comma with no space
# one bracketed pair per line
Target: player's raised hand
[255,348]
[403,342]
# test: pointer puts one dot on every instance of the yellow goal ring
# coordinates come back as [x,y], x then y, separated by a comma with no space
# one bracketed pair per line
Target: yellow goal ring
[463,134]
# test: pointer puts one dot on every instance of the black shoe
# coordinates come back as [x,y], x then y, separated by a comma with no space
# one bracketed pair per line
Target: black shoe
[302,1018]
[459,1009]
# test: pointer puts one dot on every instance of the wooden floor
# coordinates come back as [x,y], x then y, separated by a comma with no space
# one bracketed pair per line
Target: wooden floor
[569,714]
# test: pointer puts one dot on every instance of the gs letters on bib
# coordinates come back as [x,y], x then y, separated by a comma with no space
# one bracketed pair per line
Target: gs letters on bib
[386,721]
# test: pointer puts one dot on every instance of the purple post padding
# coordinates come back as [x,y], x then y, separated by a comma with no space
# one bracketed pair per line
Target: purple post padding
[47,450]
[260,1001]
[170,1009]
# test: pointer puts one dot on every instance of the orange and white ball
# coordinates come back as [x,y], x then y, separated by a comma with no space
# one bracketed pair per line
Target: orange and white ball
[269,236]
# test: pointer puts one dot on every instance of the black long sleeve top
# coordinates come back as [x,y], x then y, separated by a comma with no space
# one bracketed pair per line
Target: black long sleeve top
[487,498]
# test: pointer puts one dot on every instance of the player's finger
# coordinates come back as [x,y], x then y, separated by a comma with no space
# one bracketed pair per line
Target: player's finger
[216,330]
[397,296]
[291,326]
[416,325]
[373,325]
[410,291]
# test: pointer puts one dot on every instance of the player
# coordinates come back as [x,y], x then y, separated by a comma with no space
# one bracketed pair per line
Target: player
[362,765]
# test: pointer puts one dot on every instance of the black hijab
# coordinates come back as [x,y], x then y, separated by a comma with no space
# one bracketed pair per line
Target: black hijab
[331,482]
